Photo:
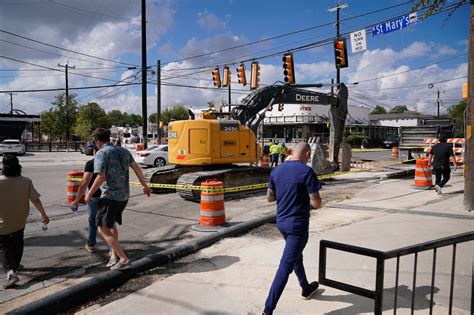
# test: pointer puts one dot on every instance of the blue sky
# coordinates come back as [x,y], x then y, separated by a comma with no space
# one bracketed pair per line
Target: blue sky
[177,30]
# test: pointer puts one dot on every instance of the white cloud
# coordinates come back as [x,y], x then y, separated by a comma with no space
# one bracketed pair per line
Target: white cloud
[210,21]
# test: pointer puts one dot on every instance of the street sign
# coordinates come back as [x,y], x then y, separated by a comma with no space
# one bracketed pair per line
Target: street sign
[358,41]
[394,25]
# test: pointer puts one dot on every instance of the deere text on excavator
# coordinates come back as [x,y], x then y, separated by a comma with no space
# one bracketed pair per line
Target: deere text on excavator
[216,145]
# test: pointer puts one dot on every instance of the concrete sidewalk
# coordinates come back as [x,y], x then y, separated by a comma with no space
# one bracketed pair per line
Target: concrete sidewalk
[234,275]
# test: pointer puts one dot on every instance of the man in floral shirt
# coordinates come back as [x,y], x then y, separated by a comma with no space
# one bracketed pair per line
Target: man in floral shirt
[111,163]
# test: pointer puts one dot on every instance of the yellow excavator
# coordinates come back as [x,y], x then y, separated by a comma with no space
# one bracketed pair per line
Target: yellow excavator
[224,145]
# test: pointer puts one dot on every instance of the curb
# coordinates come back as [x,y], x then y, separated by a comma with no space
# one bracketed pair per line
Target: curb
[69,298]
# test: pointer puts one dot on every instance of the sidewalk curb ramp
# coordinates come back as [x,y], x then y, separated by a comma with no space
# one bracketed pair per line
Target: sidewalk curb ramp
[74,296]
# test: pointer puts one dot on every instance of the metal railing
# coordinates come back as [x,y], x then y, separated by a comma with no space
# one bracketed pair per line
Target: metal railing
[53,147]
[381,257]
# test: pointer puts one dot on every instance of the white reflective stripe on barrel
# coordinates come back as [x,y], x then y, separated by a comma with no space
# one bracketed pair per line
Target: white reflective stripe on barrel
[212,213]
[423,178]
[421,169]
[212,198]
[73,183]
[72,193]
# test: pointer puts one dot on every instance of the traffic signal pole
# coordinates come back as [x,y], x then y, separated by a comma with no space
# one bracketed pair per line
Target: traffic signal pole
[469,145]
[144,81]
[158,100]
[337,9]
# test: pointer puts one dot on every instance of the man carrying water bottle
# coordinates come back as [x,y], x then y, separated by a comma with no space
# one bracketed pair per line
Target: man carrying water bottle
[15,193]
[87,179]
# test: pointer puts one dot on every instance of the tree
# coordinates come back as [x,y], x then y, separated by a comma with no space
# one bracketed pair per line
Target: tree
[456,113]
[398,109]
[65,113]
[50,123]
[115,118]
[378,110]
[89,117]
[177,112]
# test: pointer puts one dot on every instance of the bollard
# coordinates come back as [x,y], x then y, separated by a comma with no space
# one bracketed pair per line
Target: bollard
[72,186]
[423,175]
[395,153]
[265,162]
[212,210]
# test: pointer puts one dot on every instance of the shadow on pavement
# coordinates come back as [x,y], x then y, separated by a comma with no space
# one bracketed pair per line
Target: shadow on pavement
[364,305]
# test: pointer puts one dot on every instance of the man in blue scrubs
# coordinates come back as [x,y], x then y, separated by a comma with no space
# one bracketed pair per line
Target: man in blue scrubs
[295,188]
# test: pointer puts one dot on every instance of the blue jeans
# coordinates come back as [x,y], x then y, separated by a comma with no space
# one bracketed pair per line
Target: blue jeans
[292,260]
[92,212]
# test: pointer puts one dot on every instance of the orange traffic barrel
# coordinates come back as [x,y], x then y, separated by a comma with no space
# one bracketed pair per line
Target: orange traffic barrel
[265,162]
[212,211]
[139,146]
[72,186]
[395,153]
[423,176]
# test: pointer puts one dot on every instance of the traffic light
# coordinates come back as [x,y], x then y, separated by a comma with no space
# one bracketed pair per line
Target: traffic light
[161,124]
[226,77]
[216,77]
[289,71]
[281,107]
[255,76]
[241,74]
[340,53]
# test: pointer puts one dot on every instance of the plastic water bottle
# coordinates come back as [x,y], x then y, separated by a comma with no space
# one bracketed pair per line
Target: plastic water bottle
[75,210]
[44,227]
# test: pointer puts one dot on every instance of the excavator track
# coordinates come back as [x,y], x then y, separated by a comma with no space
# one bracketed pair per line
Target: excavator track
[231,177]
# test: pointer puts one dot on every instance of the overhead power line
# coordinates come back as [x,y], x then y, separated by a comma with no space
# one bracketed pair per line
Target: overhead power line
[412,86]
[65,49]
[71,88]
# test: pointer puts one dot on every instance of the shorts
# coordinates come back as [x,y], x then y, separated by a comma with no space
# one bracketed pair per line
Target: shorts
[109,212]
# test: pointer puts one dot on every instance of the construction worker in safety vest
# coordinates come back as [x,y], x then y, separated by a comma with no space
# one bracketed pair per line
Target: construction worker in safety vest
[274,154]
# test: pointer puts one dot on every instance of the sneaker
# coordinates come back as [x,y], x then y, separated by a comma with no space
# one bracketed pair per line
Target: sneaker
[121,265]
[307,294]
[112,261]
[438,190]
[89,248]
[12,279]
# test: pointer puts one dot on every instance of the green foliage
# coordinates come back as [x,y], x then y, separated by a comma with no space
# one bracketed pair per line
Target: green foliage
[399,109]
[378,110]
[355,138]
[117,118]
[433,6]
[177,112]
[456,113]
[59,120]
[89,117]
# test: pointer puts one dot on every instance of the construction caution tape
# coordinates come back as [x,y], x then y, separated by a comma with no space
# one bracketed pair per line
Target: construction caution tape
[220,189]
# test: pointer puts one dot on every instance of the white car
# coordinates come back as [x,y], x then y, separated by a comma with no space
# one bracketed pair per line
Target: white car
[12,146]
[156,155]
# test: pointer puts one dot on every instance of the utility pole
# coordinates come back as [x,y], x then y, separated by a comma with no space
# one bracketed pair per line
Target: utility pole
[144,80]
[230,97]
[68,127]
[438,102]
[11,101]
[158,100]
[469,145]
[337,9]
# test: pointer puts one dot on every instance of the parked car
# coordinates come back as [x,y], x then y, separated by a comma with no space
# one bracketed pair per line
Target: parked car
[153,156]
[391,141]
[12,146]
[88,148]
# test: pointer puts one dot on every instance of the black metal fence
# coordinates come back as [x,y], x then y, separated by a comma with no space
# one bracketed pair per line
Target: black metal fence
[381,257]
[53,147]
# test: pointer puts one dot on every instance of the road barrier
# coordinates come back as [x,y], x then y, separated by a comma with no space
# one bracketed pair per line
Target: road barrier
[265,161]
[394,153]
[72,186]
[423,175]
[212,208]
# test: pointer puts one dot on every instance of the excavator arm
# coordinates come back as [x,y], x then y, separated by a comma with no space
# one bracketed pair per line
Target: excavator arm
[252,110]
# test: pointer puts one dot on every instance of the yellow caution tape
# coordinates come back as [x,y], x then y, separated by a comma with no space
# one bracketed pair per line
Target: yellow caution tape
[217,189]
